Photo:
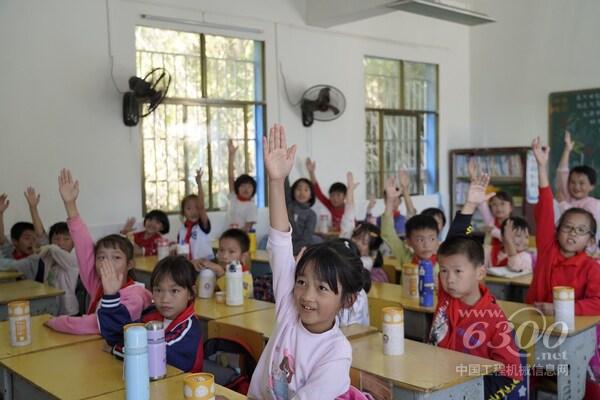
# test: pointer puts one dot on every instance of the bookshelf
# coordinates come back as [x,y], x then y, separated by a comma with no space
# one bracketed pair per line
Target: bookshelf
[506,166]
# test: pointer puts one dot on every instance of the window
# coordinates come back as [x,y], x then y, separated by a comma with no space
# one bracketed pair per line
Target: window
[216,93]
[402,123]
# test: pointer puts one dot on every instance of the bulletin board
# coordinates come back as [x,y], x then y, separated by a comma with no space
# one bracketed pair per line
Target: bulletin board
[579,112]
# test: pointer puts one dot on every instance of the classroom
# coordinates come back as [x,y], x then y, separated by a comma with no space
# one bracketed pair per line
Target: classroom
[425,168]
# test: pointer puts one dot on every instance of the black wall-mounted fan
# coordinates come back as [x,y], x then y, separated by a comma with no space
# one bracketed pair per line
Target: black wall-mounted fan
[148,91]
[322,103]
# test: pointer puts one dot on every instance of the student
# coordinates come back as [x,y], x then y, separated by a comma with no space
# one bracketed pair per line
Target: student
[499,210]
[173,292]
[234,245]
[113,248]
[242,211]
[573,187]
[337,195]
[562,259]
[196,226]
[299,199]
[402,192]
[465,305]
[359,312]
[515,234]
[307,353]
[438,215]
[156,224]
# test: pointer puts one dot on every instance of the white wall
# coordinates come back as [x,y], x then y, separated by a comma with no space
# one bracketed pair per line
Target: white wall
[58,106]
[536,47]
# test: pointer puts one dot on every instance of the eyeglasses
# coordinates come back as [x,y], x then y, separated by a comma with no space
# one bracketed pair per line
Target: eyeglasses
[579,230]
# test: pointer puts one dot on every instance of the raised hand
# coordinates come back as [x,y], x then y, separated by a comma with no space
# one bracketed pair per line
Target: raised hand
[350,182]
[33,199]
[278,158]
[509,233]
[232,148]
[111,279]
[198,178]
[371,203]
[4,202]
[311,166]
[128,227]
[68,188]
[476,194]
[391,189]
[404,180]
[541,153]
[569,143]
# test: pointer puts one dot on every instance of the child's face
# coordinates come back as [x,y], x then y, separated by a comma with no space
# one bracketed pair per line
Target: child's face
[302,193]
[337,199]
[316,302]
[459,277]
[424,243]
[63,240]
[152,226]
[521,239]
[191,211]
[500,209]
[117,256]
[245,191]
[26,243]
[169,298]
[579,185]
[229,251]
[569,240]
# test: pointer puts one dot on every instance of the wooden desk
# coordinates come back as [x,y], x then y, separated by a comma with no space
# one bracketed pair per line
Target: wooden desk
[71,372]
[172,388]
[255,328]
[10,276]
[568,354]
[417,319]
[422,372]
[512,289]
[393,269]
[43,299]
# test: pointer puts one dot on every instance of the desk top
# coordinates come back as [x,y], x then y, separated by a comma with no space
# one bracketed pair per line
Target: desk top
[209,309]
[10,275]
[73,372]
[523,280]
[26,290]
[421,368]
[43,338]
[527,315]
[172,388]
[263,322]
[392,292]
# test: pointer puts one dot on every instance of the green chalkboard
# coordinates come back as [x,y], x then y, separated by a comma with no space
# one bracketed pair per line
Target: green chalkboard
[579,112]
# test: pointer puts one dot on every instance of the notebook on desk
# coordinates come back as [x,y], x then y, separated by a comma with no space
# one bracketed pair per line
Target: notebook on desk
[505,272]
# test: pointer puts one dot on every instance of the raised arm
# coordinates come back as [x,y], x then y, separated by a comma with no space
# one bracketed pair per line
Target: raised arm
[476,195]
[4,203]
[69,190]
[388,232]
[33,199]
[562,172]
[279,160]
[347,224]
[541,156]
[404,180]
[311,166]
[128,227]
[231,149]
[204,222]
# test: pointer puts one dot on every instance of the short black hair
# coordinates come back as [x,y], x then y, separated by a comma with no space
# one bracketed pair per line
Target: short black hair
[504,196]
[311,201]
[59,228]
[375,240]
[19,229]
[419,222]
[120,243]
[161,218]
[463,245]
[581,211]
[433,211]
[239,236]
[585,170]
[518,223]
[244,178]
[338,187]
[178,268]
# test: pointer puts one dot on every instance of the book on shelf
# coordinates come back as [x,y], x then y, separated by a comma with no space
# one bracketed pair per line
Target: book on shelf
[502,165]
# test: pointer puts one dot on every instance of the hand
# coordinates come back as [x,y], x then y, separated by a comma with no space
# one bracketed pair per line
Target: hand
[128,227]
[509,233]
[199,173]
[371,203]
[232,148]
[404,180]
[69,189]
[4,203]
[278,158]
[545,308]
[472,167]
[362,243]
[391,189]
[541,153]
[350,182]
[311,166]
[476,194]
[33,199]
[111,280]
[569,144]
[198,264]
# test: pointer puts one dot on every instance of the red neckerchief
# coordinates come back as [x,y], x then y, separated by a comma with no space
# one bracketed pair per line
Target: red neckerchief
[185,314]
[100,293]
[433,259]
[397,214]
[189,225]
[17,255]
[240,198]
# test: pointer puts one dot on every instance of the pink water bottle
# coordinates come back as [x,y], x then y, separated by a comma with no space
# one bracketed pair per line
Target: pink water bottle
[157,350]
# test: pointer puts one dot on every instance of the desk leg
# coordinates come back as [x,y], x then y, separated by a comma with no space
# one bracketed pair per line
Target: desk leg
[6,384]
[472,389]
[569,360]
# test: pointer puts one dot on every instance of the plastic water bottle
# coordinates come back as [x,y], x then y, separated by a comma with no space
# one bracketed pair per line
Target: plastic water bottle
[19,323]
[206,283]
[234,281]
[162,248]
[183,249]
[157,350]
[137,378]
[426,283]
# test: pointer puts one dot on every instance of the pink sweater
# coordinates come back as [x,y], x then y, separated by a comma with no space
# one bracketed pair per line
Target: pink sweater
[296,363]
[135,297]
